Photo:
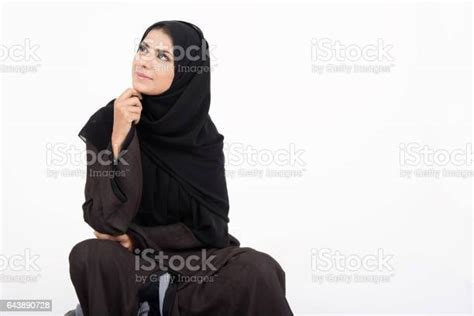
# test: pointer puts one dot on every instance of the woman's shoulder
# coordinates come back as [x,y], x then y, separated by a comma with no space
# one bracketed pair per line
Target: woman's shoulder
[98,127]
[104,110]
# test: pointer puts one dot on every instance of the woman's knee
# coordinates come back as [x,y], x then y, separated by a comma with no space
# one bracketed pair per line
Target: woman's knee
[96,252]
[263,267]
[255,262]
[79,253]
[90,250]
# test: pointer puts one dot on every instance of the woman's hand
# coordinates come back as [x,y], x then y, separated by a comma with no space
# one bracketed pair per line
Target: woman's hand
[124,239]
[127,109]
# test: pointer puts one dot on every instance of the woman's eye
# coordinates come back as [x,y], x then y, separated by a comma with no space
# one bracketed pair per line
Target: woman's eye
[162,56]
[142,48]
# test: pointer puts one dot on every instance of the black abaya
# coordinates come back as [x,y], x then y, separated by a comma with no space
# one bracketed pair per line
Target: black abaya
[245,281]
[168,192]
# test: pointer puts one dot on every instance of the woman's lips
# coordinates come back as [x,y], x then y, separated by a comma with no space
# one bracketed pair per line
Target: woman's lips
[141,75]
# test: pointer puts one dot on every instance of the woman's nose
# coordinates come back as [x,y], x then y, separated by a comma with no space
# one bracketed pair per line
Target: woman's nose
[143,59]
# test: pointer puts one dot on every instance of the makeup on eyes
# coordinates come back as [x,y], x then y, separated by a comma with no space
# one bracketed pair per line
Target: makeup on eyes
[160,53]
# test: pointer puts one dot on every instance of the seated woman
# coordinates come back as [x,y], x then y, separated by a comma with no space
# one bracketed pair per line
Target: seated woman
[156,197]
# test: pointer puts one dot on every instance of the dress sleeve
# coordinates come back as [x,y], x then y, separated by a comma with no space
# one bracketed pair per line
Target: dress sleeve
[174,236]
[113,186]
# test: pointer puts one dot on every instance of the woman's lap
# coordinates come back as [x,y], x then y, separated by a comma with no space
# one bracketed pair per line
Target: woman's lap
[251,283]
[107,283]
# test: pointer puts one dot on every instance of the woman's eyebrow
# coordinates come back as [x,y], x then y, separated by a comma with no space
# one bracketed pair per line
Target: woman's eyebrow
[157,50]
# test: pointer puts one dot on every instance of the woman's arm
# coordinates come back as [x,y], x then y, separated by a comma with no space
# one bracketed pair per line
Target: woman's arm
[114,175]
[163,237]
[113,186]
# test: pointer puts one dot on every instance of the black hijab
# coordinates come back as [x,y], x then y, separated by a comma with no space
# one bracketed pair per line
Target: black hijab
[175,129]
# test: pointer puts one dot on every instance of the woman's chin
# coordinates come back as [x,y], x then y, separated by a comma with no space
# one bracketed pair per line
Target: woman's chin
[147,89]
[140,87]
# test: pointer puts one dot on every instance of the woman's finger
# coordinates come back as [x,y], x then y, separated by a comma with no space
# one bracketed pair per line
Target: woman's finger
[133,117]
[127,244]
[135,101]
[135,92]
[125,241]
[121,237]
[133,109]
[129,93]
[103,236]
[126,94]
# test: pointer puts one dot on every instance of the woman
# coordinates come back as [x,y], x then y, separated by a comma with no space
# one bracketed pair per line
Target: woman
[156,185]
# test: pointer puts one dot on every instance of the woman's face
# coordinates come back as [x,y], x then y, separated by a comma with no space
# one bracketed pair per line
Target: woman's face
[153,65]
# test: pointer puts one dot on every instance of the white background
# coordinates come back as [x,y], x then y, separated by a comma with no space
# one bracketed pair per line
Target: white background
[350,126]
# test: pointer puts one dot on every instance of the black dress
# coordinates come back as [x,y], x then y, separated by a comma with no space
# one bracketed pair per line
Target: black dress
[166,202]
[164,217]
